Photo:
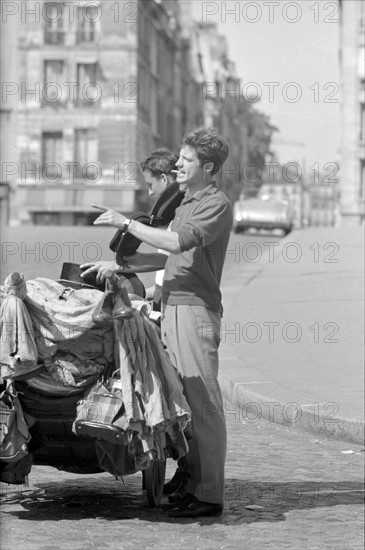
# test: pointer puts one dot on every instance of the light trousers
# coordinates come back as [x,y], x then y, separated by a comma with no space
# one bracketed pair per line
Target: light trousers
[192,337]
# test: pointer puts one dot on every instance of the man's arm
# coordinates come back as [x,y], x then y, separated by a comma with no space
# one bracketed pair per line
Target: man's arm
[159,238]
[137,263]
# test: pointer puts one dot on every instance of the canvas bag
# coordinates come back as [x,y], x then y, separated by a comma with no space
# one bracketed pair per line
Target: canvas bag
[100,415]
[14,433]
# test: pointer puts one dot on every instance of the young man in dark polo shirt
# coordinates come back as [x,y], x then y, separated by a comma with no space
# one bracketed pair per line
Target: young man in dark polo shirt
[192,309]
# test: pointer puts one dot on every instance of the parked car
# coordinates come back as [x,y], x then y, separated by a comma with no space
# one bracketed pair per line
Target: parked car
[262,214]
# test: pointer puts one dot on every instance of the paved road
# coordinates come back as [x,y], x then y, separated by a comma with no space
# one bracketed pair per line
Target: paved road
[309,493]
[39,251]
[293,329]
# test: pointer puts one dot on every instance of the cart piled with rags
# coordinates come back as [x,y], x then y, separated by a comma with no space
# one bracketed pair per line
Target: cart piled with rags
[86,383]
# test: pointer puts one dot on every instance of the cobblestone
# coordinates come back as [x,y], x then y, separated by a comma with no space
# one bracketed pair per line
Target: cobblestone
[305,492]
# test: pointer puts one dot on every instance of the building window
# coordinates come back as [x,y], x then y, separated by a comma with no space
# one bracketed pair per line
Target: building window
[145,91]
[88,90]
[52,155]
[53,82]
[87,17]
[86,154]
[54,30]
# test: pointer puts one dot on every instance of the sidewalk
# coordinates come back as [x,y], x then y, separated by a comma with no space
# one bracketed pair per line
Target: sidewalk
[293,337]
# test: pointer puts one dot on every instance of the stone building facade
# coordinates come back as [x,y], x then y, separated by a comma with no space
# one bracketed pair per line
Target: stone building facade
[99,85]
[352,63]
[224,105]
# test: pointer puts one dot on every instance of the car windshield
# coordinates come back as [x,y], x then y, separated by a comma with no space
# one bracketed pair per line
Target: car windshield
[264,206]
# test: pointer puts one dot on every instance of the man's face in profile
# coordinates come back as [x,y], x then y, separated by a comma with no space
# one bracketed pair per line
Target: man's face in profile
[156,184]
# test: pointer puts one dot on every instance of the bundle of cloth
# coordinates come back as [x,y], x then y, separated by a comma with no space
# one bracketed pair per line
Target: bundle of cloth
[50,339]
[48,336]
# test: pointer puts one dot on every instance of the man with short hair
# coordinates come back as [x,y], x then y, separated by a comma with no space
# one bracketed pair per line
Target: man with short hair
[156,170]
[192,309]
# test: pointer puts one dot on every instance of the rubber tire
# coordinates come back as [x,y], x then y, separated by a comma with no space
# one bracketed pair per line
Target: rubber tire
[153,482]
[287,231]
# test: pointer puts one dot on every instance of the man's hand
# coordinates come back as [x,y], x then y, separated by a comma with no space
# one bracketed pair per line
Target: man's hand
[109,217]
[103,269]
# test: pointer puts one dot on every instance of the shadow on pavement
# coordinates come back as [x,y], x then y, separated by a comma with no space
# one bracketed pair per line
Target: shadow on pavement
[246,501]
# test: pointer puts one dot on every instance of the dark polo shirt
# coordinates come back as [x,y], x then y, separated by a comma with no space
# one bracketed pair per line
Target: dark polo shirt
[203,223]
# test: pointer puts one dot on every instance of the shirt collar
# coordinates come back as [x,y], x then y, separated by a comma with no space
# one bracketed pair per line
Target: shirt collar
[210,189]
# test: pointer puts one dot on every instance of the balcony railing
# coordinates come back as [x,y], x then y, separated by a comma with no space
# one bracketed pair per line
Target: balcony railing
[54,37]
[82,103]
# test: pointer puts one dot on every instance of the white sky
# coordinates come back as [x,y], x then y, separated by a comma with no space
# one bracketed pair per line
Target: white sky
[303,52]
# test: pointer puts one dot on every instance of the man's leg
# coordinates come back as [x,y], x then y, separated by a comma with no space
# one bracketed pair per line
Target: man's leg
[191,334]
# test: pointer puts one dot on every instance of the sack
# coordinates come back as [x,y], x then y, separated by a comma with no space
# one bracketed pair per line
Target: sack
[18,350]
[14,433]
[45,404]
[162,213]
[100,415]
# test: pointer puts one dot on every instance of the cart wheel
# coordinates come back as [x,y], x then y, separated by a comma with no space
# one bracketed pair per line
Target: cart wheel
[153,481]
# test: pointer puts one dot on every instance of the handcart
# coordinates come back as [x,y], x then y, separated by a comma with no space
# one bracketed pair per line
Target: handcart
[54,442]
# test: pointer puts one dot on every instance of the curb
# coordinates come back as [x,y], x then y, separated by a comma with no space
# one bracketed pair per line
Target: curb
[255,407]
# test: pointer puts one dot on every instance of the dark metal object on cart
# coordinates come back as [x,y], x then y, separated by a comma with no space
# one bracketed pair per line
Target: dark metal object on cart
[71,273]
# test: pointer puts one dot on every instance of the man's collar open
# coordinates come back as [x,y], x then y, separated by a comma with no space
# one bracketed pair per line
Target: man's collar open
[209,189]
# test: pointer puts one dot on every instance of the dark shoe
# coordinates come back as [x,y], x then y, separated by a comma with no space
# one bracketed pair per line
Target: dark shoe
[179,499]
[191,507]
[103,312]
[176,483]
[121,310]
[177,495]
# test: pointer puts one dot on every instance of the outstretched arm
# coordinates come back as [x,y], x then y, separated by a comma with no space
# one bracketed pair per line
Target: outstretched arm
[159,238]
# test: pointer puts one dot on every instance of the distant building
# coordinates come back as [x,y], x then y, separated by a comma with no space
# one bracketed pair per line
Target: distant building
[352,61]
[322,204]
[100,84]
[223,105]
[8,115]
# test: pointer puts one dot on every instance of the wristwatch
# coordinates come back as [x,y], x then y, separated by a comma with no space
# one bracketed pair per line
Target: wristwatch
[126,225]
